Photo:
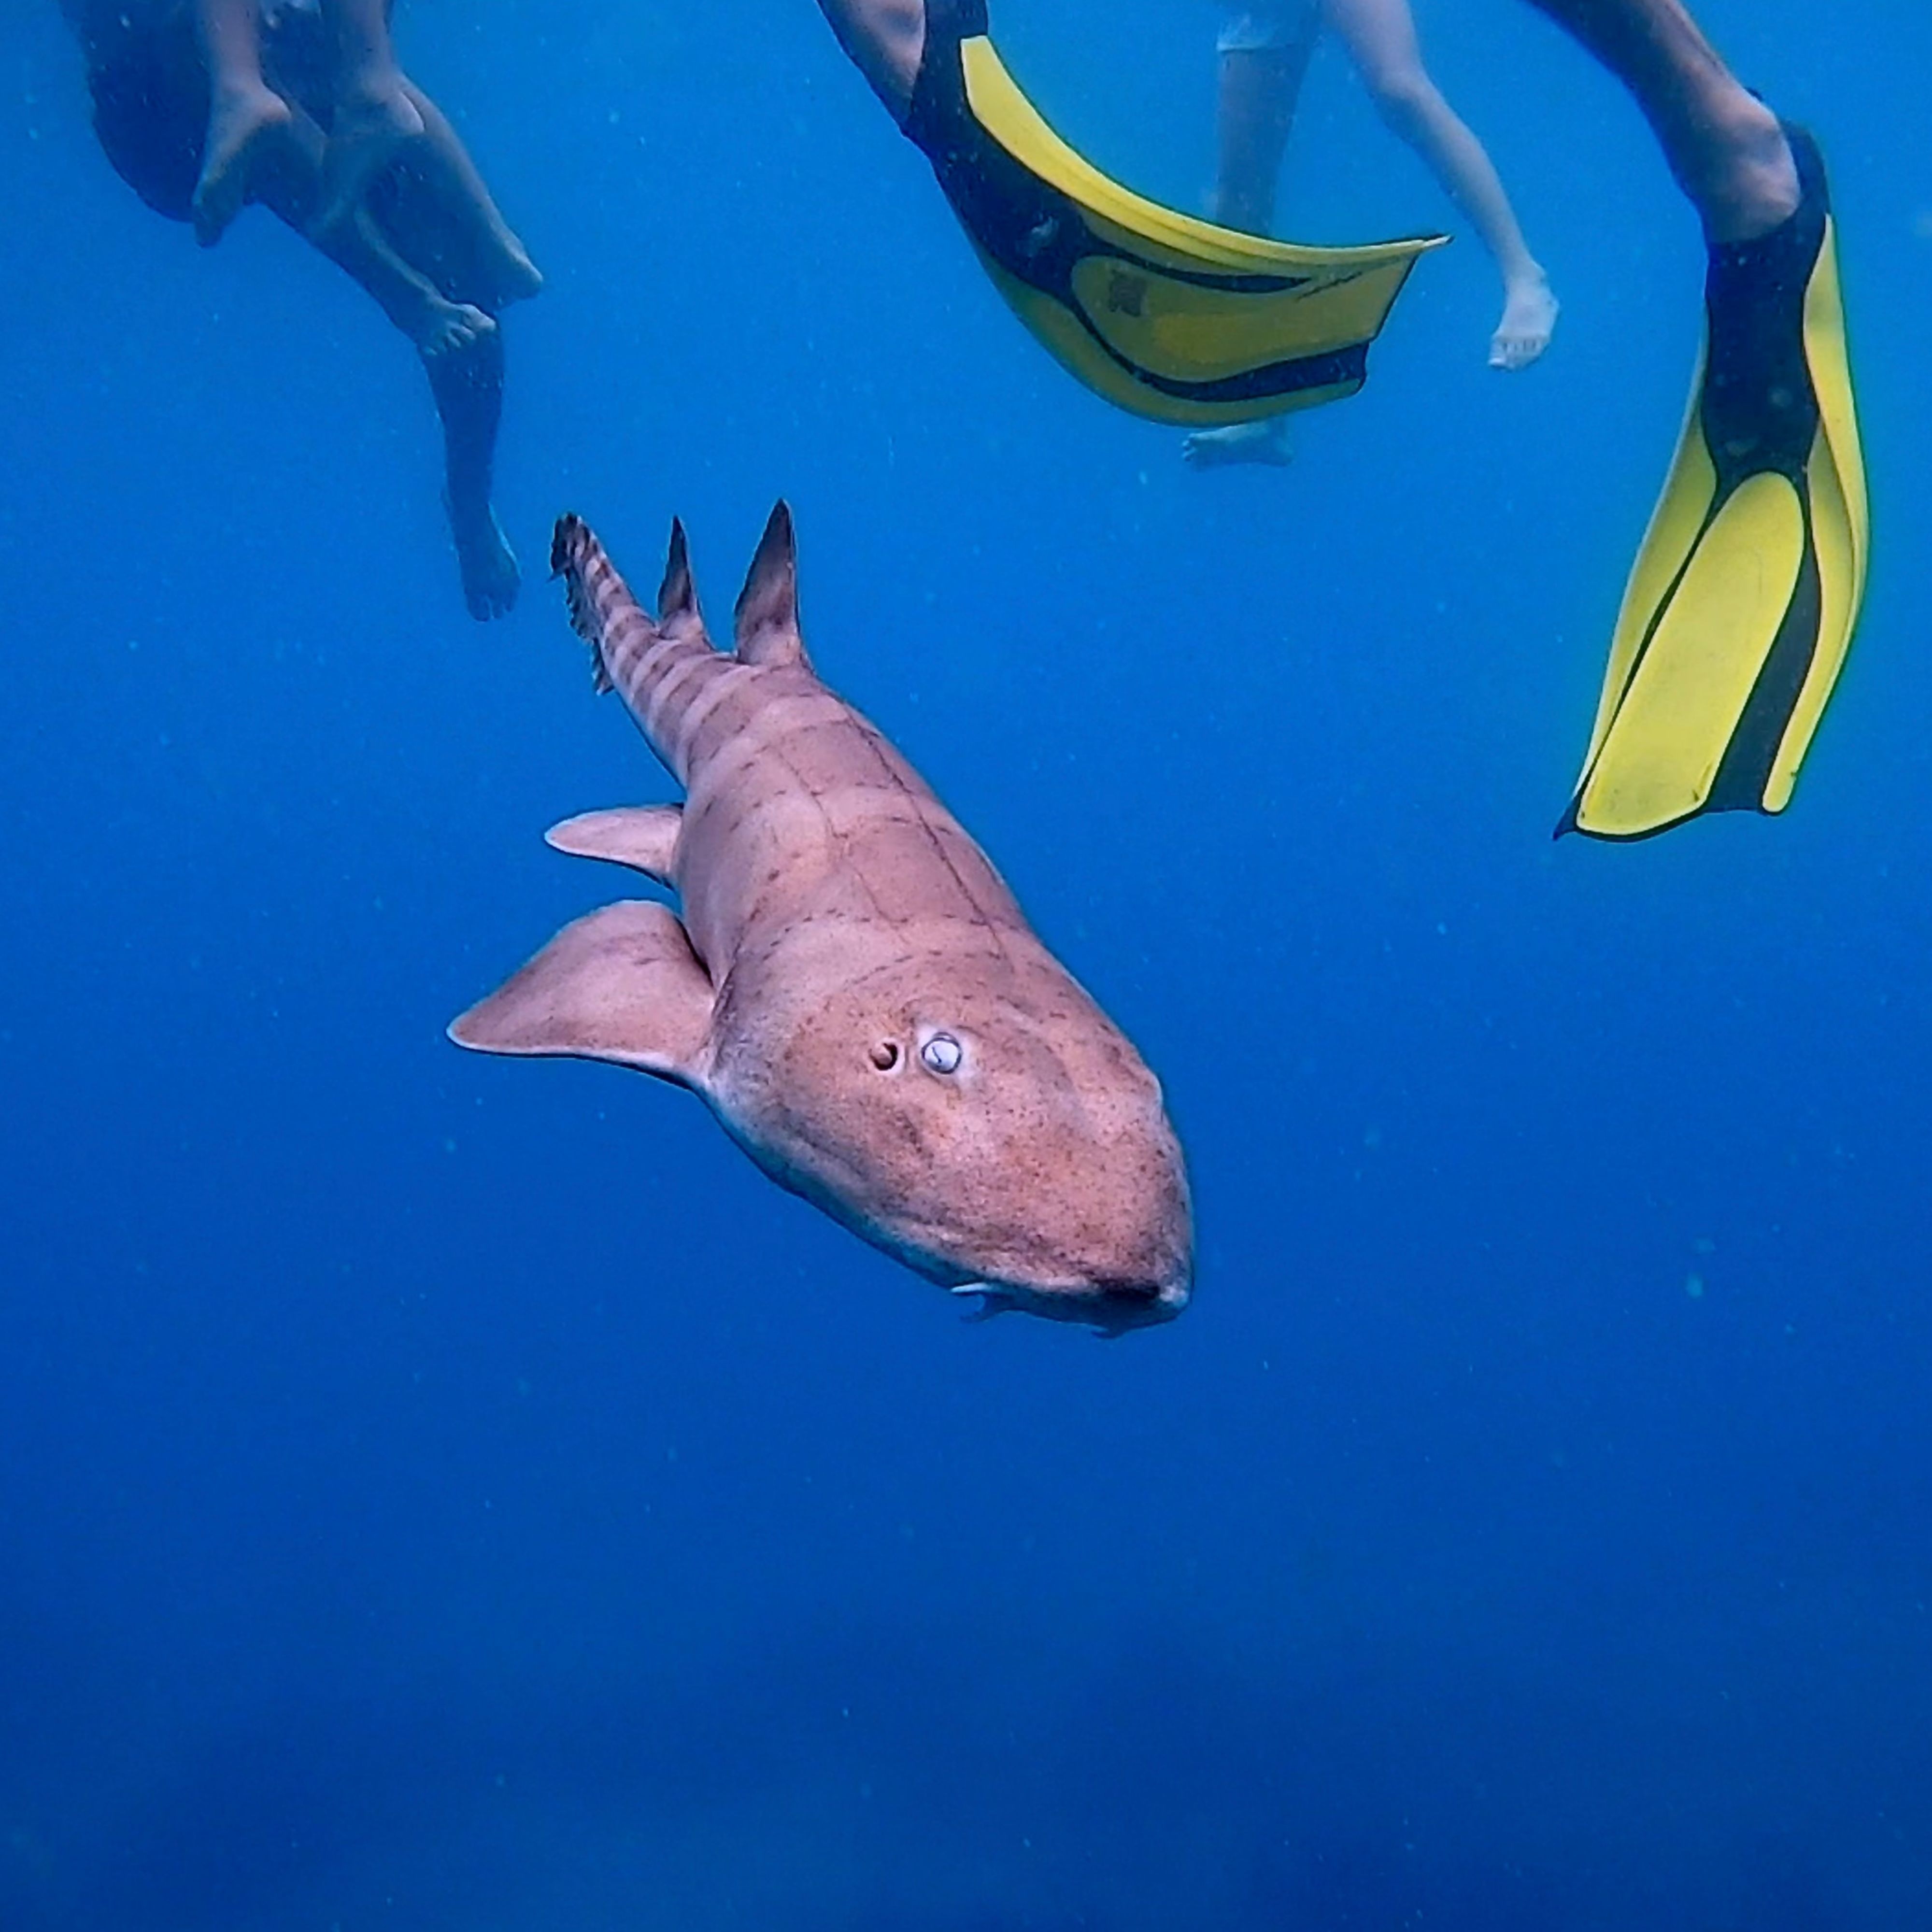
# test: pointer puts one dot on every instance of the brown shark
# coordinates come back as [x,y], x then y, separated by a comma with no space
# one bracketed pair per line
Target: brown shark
[852,988]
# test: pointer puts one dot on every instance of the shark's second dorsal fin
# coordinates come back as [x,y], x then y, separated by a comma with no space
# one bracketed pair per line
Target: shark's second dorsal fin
[678,614]
[767,609]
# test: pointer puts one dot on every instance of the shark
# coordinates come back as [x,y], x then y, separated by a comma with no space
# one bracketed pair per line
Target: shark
[851,988]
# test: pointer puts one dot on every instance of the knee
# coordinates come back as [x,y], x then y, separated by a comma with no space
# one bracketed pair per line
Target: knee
[1405,97]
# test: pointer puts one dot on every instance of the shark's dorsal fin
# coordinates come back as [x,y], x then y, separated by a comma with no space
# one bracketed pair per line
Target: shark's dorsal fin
[678,614]
[767,608]
[621,984]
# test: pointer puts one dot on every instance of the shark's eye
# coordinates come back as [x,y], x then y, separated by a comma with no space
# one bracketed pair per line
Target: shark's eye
[885,1055]
[942,1054]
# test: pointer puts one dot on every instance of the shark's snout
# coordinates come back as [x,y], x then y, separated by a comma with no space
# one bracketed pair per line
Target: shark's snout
[1118,1305]
[1138,1301]
[1091,1238]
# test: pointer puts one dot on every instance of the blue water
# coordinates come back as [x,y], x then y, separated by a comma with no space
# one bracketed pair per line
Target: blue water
[437,1492]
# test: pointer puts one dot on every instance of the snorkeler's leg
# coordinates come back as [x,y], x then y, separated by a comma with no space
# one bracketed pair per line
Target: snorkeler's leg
[374,114]
[468,386]
[437,325]
[1380,35]
[462,352]
[886,40]
[245,115]
[1723,145]
[1255,104]
[500,270]
[291,188]
[1259,88]
[1739,611]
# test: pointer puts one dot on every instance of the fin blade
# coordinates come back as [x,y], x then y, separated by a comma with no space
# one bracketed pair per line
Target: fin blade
[1741,603]
[1172,319]
[766,611]
[1835,538]
[621,985]
[642,837]
[1690,493]
[1841,516]
[1661,753]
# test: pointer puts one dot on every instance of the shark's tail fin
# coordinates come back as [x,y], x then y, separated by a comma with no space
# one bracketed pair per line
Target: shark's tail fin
[578,558]
[647,660]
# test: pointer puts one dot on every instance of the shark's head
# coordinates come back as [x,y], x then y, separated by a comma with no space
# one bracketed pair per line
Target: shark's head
[991,1129]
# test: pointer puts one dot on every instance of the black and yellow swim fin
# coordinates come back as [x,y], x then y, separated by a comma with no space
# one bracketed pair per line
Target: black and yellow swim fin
[1739,611]
[1171,318]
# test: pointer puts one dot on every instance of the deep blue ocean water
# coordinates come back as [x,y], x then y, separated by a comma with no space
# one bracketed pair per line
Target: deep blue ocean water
[441,1493]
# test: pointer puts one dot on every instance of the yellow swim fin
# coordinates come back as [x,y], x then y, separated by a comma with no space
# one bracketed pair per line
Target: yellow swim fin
[1170,318]
[1739,610]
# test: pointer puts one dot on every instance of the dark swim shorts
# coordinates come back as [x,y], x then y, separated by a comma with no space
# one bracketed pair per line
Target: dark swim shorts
[150,86]
[150,92]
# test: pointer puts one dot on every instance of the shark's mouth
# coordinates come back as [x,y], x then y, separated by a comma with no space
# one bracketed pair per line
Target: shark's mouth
[1112,1302]
[1109,1309]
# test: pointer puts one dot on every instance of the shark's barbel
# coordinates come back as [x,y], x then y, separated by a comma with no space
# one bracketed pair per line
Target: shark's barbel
[852,987]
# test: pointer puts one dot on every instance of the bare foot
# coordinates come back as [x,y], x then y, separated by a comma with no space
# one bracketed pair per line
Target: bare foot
[1265,442]
[491,578]
[1529,316]
[443,327]
[242,123]
[363,140]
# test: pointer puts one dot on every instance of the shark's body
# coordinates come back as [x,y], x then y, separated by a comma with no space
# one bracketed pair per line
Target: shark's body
[852,988]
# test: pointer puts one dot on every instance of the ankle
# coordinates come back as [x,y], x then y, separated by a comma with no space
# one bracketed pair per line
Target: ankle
[1748,183]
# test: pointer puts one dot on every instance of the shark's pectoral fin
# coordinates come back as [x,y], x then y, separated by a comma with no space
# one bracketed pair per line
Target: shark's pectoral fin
[767,609]
[643,837]
[621,984]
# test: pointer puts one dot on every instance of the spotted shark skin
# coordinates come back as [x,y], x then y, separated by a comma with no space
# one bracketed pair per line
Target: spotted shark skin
[852,987]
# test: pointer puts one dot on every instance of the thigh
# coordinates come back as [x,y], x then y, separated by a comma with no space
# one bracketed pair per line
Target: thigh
[1380,36]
